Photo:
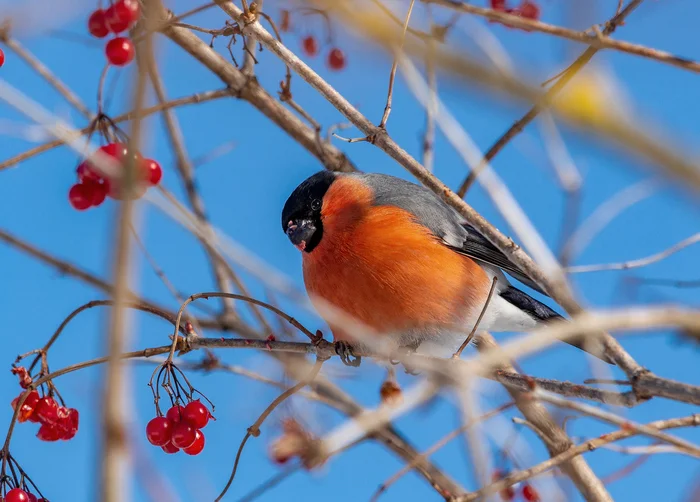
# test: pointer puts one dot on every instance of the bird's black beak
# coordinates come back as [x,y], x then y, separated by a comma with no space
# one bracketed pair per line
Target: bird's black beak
[300,232]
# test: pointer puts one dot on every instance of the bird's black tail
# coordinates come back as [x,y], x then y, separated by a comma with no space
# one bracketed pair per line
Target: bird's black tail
[543,313]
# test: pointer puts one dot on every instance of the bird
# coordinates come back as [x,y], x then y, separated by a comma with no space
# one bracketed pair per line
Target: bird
[398,259]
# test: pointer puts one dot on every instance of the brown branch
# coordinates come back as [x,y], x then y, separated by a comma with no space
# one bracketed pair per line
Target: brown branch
[641,262]
[555,438]
[542,104]
[394,66]
[114,472]
[200,97]
[68,268]
[249,90]
[596,40]
[42,70]
[439,444]
[254,430]
[574,452]
[186,171]
[682,445]
[524,383]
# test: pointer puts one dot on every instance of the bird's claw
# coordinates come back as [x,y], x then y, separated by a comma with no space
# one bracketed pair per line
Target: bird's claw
[347,356]
[408,350]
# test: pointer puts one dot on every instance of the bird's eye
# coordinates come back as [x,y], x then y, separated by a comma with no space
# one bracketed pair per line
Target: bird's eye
[315,204]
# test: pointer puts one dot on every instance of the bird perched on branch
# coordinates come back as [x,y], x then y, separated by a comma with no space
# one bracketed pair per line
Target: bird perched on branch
[395,257]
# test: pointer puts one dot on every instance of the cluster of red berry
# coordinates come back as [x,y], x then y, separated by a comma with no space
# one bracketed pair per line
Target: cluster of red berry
[528,493]
[57,422]
[92,188]
[180,428]
[116,18]
[19,495]
[527,9]
[309,44]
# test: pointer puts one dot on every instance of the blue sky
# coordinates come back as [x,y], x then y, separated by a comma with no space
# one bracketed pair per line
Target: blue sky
[245,190]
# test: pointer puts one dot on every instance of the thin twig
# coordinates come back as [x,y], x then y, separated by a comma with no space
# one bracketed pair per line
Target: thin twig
[520,124]
[458,354]
[254,430]
[200,97]
[394,66]
[573,452]
[641,262]
[598,41]
[52,79]
[186,172]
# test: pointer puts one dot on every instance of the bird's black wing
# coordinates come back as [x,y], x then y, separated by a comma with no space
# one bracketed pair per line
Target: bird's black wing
[479,248]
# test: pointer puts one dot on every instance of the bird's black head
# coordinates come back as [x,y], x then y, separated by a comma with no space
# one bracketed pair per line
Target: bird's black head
[301,216]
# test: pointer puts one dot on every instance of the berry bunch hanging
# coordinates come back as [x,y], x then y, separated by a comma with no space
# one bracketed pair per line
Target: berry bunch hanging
[15,485]
[335,58]
[56,420]
[92,187]
[117,18]
[181,427]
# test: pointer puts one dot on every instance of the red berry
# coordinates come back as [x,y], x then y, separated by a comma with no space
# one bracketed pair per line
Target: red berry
[79,197]
[169,448]
[310,46]
[120,51]
[49,432]
[183,435]
[507,493]
[151,171]
[28,406]
[196,414]
[16,495]
[134,9]
[97,192]
[336,59]
[498,4]
[2,57]
[530,494]
[116,150]
[174,414]
[158,431]
[47,410]
[529,10]
[97,25]
[122,15]
[68,421]
[198,445]
[86,172]
[32,497]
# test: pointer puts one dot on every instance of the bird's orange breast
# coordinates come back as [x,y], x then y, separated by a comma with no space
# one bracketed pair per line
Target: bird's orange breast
[385,269]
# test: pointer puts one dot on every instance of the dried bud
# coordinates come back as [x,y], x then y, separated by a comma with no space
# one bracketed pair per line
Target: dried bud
[25,379]
[530,494]
[507,493]
[390,393]
[296,442]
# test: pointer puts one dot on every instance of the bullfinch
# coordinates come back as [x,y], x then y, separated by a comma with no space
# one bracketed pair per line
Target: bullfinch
[397,258]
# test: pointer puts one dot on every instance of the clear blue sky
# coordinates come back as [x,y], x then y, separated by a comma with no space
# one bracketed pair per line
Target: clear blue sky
[245,190]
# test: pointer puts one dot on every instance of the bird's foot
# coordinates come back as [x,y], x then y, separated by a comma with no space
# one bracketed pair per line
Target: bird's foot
[408,350]
[344,350]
